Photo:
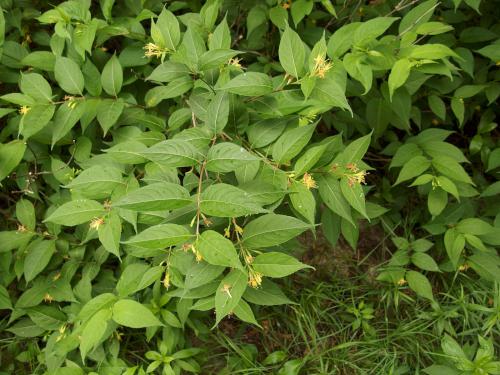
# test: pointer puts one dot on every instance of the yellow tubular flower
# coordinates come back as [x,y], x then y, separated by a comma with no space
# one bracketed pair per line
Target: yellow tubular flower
[96,223]
[152,50]
[308,181]
[24,109]
[254,278]
[321,66]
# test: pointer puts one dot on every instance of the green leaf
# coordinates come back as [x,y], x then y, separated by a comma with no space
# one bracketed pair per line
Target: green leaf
[417,15]
[229,293]
[249,84]
[413,168]
[341,40]
[173,153]
[174,89]
[35,86]
[218,250]
[291,143]
[161,236]
[5,302]
[160,196]
[271,230]
[11,155]
[330,192]
[309,159]
[226,157]
[473,226]
[371,29]
[76,212]
[201,274]
[109,233]
[221,37]
[112,76]
[244,312]
[93,331]
[169,27]
[353,193]
[25,213]
[137,276]
[97,182]
[216,58]
[277,264]
[168,71]
[399,74]
[436,104]
[69,75]
[36,119]
[43,60]
[132,314]
[292,53]
[269,294]
[223,200]
[355,150]
[451,168]
[303,201]
[437,201]
[67,115]
[431,52]
[454,244]
[108,112]
[38,256]
[419,284]
[218,112]
[424,262]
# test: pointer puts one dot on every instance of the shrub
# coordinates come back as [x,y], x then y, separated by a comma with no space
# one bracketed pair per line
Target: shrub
[158,162]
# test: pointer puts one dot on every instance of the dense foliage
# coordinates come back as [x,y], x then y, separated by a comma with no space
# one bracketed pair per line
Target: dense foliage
[159,160]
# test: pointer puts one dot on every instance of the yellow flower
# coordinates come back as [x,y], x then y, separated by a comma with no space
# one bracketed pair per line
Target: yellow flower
[235,61]
[254,278]
[401,282]
[21,228]
[96,223]
[286,4]
[248,259]
[357,178]
[166,280]
[321,66]
[227,289]
[308,181]
[152,50]
[24,109]
[48,298]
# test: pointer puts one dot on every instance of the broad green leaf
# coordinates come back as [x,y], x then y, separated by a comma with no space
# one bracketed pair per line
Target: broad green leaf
[229,293]
[424,262]
[303,201]
[168,71]
[161,236]
[436,104]
[173,89]
[399,74]
[413,168]
[108,112]
[437,201]
[202,273]
[100,302]
[249,84]
[11,155]
[173,153]
[47,317]
[277,264]
[331,193]
[38,256]
[355,150]
[372,29]
[93,331]
[223,200]
[271,230]
[37,118]
[97,182]
[69,75]
[76,212]
[265,131]
[109,233]
[473,226]
[160,196]
[291,143]
[451,169]
[137,276]
[454,244]
[221,37]
[112,76]
[354,195]
[431,52]
[216,58]
[309,159]
[269,294]
[292,53]
[132,314]
[67,115]
[226,157]
[218,250]
[417,15]
[25,214]
[35,86]
[43,60]
[218,112]
[419,284]
[169,27]
[244,312]
[341,40]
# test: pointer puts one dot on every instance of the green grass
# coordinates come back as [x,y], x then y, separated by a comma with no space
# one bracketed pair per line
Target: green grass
[319,330]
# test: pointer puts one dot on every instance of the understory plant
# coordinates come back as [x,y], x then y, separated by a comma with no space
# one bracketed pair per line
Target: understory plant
[159,160]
